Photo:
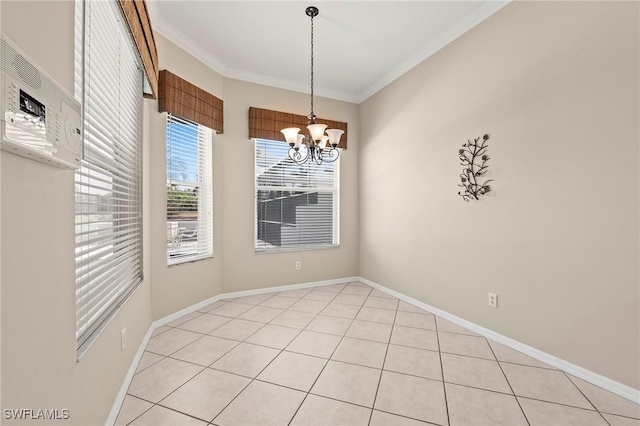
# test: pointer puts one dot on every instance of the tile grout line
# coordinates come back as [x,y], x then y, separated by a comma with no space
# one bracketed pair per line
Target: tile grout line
[488,359]
[407,417]
[138,416]
[157,404]
[281,350]
[567,405]
[325,364]
[203,368]
[421,377]
[544,400]
[343,336]
[585,397]
[444,387]
[622,415]
[335,316]
[383,362]
[361,306]
[268,364]
[508,382]
[299,331]
[151,365]
[165,357]
[325,397]
[477,388]
[328,359]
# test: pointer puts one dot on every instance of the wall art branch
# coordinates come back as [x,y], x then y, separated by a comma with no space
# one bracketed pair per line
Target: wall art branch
[474,159]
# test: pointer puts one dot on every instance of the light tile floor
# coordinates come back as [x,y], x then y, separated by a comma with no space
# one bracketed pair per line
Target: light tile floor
[348,355]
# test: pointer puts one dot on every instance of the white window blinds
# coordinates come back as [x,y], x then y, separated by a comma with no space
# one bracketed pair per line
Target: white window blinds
[108,186]
[189,191]
[296,205]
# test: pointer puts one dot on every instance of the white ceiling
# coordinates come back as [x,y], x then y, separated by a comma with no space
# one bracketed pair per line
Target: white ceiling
[360,46]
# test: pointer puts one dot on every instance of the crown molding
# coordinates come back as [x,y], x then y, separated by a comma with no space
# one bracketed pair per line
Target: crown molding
[287,85]
[196,50]
[168,31]
[178,38]
[466,24]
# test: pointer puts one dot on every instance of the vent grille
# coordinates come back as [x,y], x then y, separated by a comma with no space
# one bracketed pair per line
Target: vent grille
[27,72]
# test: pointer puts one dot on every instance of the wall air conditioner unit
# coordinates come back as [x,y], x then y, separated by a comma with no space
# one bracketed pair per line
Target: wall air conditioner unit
[40,120]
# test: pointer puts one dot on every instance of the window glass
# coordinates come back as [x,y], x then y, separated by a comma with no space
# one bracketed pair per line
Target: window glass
[296,204]
[189,191]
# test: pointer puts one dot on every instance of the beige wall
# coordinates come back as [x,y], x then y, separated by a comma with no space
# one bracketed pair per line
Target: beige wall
[235,266]
[243,269]
[556,86]
[180,286]
[39,367]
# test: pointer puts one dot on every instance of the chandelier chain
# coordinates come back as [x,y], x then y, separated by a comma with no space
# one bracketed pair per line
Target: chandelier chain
[312,65]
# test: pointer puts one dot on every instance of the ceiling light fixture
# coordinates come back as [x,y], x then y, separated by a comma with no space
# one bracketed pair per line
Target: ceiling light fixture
[314,145]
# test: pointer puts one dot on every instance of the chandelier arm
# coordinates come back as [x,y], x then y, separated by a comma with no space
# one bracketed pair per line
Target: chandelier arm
[296,156]
[329,155]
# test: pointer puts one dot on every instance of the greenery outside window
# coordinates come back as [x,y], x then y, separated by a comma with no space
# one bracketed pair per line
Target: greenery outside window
[189,191]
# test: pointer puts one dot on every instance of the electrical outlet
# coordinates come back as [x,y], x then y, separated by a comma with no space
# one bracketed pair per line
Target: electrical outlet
[123,339]
[493,300]
[298,265]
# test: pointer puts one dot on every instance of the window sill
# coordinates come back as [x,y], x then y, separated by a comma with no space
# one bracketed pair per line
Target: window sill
[191,259]
[295,249]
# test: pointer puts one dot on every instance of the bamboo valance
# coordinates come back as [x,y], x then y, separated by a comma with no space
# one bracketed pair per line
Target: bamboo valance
[137,18]
[266,124]
[186,100]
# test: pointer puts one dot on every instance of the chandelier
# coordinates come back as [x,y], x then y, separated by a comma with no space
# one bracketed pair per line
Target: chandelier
[316,146]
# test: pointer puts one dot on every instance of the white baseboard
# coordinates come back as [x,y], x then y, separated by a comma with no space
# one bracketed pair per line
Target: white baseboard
[611,385]
[115,409]
[223,296]
[582,373]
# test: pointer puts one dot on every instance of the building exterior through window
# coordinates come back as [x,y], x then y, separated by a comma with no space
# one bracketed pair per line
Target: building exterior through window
[296,204]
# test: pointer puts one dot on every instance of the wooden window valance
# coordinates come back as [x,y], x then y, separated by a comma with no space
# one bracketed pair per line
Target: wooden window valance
[266,124]
[137,18]
[186,100]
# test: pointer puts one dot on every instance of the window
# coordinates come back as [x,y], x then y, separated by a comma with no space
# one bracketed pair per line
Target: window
[189,191]
[296,205]
[108,186]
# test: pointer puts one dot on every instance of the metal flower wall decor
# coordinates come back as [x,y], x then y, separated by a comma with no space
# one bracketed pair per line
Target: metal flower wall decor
[473,158]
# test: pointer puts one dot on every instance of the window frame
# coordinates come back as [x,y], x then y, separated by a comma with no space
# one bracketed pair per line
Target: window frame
[206,136]
[336,209]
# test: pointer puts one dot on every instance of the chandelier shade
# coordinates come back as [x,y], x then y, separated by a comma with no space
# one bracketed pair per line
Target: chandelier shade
[334,136]
[316,131]
[291,134]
